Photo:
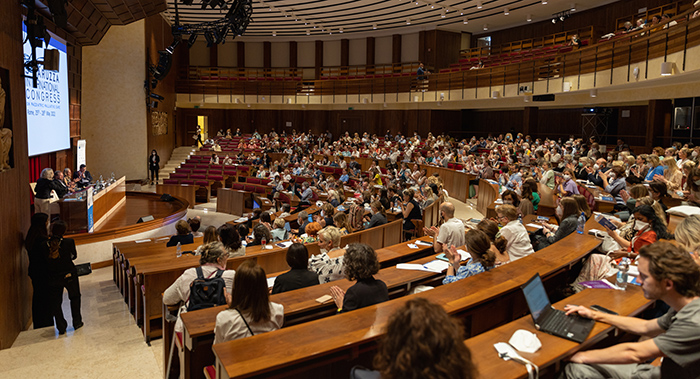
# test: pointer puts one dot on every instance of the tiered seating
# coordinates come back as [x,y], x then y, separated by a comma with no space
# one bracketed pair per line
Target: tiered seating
[673,9]
[369,71]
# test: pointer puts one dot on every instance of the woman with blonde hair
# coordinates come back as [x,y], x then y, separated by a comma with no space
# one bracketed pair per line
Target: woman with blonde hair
[673,177]
[687,236]
[341,222]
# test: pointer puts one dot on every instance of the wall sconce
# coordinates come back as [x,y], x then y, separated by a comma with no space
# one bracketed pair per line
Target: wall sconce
[442,96]
[594,92]
[495,94]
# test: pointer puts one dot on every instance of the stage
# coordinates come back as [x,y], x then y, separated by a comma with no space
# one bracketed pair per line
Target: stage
[122,221]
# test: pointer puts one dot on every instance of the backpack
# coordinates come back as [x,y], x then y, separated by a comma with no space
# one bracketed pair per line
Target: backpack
[356,214]
[206,292]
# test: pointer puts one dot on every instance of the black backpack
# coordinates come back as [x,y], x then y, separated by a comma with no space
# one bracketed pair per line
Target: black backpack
[206,292]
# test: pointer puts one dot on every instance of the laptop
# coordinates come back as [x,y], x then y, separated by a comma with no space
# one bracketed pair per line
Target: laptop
[550,320]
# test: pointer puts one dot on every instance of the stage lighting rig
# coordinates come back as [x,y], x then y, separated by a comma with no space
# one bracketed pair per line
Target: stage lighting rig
[238,16]
[38,36]
[561,16]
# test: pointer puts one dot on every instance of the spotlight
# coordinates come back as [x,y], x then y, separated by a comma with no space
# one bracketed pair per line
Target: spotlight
[374,26]
[157,96]
[408,21]
[486,26]
[554,20]
[573,7]
[544,2]
[340,30]
[479,5]
[562,18]
[192,39]
[529,17]
[594,92]
[274,33]
[667,68]
[308,33]
[466,21]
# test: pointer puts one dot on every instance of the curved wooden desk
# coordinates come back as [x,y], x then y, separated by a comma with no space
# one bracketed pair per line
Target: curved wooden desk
[328,347]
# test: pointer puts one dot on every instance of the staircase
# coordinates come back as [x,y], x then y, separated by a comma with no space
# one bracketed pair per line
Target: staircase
[177,158]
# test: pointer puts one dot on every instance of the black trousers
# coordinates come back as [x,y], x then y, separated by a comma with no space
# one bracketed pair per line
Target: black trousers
[42,315]
[154,174]
[56,287]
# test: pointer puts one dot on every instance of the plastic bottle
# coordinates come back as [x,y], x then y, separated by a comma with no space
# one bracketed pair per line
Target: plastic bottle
[520,218]
[581,223]
[623,267]
[263,242]
[179,250]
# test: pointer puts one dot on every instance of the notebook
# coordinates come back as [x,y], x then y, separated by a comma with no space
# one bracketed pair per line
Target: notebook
[550,320]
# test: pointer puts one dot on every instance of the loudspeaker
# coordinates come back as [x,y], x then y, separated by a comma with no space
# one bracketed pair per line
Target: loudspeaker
[166,197]
[51,60]
[145,218]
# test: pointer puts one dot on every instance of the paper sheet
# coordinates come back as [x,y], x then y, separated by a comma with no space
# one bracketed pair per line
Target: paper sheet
[536,226]
[271,281]
[412,246]
[437,266]
[142,241]
[411,266]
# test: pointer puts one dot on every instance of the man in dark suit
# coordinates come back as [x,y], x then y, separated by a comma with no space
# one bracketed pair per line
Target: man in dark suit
[83,176]
[59,184]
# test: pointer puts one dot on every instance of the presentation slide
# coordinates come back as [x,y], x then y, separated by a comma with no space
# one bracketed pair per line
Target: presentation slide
[48,118]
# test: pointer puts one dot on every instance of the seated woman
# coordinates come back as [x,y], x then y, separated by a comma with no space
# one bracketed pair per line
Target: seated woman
[569,221]
[583,206]
[566,186]
[213,259]
[673,176]
[378,215]
[613,182]
[311,232]
[214,158]
[340,219]
[229,237]
[250,311]
[655,168]
[410,209]
[686,234]
[649,229]
[260,233]
[530,194]
[482,257]
[279,233]
[184,234]
[299,276]
[518,240]
[326,216]
[360,264]
[210,235]
[659,192]
[423,341]
[329,263]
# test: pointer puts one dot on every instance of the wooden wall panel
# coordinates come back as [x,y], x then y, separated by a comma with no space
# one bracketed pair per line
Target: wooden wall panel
[14,184]
[158,37]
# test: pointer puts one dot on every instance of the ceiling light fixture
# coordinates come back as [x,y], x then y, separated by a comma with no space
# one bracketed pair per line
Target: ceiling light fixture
[544,2]
[274,33]
[340,30]
[374,26]
[466,21]
[308,32]
[506,12]
[408,21]
[486,26]
[529,17]
[573,7]
[479,5]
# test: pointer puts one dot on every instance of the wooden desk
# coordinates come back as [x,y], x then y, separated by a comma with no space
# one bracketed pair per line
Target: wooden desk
[231,201]
[74,207]
[604,206]
[299,306]
[488,193]
[184,191]
[329,346]
[554,349]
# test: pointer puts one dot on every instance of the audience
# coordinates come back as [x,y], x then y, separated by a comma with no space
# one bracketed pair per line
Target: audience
[518,241]
[482,259]
[229,237]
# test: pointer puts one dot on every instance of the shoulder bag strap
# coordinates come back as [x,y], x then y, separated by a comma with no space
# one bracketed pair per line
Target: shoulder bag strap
[246,322]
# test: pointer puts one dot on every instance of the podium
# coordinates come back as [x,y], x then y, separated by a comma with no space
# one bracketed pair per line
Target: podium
[83,211]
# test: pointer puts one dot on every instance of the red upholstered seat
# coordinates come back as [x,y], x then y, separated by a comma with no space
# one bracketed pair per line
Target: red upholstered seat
[238,186]
[171,181]
[210,372]
[249,188]
[259,189]
[215,177]
[198,176]
[230,172]
[202,183]
[199,171]
[177,175]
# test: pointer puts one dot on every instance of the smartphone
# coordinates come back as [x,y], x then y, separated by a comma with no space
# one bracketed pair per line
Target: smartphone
[311,218]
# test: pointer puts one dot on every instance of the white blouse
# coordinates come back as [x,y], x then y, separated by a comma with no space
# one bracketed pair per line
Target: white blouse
[229,325]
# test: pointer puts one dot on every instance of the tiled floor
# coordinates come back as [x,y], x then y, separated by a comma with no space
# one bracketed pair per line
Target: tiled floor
[110,345]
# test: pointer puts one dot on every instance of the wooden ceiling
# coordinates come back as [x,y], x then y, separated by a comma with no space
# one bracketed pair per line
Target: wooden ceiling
[89,20]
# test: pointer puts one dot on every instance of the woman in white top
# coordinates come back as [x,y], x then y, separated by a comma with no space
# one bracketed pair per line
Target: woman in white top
[250,311]
[518,240]
[214,257]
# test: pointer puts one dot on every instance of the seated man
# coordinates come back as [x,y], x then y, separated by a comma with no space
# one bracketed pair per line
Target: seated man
[82,177]
[668,273]
[184,234]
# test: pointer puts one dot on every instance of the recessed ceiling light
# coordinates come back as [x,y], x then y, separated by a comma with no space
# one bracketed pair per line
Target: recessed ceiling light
[308,32]
[573,7]
[340,30]
[486,26]
[466,21]
[374,26]
[408,22]
[544,2]
[274,34]
[529,17]
[479,5]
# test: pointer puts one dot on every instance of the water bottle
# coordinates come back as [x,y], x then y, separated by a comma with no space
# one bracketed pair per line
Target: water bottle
[581,223]
[263,242]
[623,267]
[520,219]
[179,250]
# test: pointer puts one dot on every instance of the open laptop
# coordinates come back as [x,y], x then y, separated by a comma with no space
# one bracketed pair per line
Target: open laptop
[550,320]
